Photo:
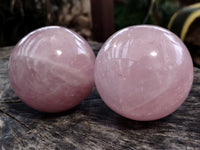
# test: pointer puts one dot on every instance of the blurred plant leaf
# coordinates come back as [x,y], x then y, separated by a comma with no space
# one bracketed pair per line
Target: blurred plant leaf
[135,12]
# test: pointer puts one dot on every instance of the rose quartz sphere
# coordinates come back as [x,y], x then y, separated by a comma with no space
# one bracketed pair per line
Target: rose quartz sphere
[52,69]
[144,72]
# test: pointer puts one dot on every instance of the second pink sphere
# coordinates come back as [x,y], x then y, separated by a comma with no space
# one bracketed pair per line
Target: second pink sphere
[143,72]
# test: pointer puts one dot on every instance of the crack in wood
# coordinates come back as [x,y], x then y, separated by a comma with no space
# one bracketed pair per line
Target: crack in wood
[10,101]
[36,132]
[17,137]
[12,117]
[23,124]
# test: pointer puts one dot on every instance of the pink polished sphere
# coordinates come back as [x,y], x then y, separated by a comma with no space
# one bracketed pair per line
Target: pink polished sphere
[144,72]
[52,69]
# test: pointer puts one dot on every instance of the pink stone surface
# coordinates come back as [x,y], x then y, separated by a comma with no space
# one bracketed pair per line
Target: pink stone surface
[52,69]
[143,72]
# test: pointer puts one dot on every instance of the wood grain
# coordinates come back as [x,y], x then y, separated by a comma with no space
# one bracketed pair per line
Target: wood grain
[92,125]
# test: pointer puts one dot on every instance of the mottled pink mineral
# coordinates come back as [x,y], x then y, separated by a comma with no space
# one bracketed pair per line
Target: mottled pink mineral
[144,72]
[51,69]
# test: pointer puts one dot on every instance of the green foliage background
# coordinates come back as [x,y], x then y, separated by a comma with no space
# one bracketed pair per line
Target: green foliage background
[133,12]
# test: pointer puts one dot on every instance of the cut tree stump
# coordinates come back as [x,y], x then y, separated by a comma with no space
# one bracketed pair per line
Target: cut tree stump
[92,125]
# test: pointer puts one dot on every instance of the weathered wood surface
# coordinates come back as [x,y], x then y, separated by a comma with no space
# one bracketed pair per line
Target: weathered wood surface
[92,125]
